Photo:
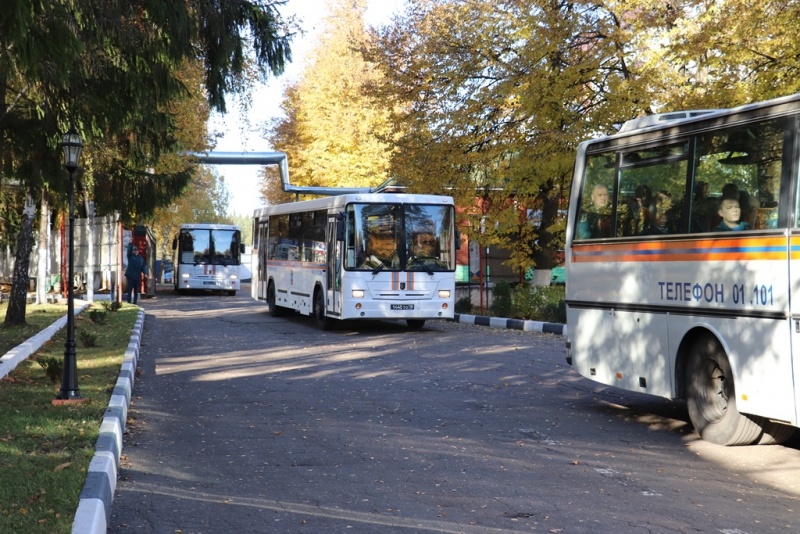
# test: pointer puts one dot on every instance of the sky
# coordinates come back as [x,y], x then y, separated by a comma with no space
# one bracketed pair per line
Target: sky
[242,181]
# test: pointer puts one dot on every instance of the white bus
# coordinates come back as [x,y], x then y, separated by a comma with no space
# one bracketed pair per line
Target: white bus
[683,266]
[207,257]
[357,256]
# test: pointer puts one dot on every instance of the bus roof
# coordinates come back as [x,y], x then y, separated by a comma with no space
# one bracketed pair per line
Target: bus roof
[664,121]
[343,200]
[209,226]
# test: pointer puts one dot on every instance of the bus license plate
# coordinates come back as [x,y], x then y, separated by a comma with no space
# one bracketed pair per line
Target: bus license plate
[402,306]
[211,283]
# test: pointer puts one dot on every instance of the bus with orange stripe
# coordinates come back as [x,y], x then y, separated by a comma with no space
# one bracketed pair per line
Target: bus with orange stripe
[683,266]
[357,256]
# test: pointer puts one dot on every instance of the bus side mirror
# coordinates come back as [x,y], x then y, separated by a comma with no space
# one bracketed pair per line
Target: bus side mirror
[458,240]
[241,248]
[341,224]
[174,243]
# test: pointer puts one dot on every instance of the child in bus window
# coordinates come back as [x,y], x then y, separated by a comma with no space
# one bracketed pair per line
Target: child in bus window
[731,213]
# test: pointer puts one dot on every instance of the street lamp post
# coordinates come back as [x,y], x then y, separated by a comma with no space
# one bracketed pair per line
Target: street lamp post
[72,146]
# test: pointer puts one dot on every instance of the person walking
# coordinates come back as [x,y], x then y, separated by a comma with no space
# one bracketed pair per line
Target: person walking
[133,274]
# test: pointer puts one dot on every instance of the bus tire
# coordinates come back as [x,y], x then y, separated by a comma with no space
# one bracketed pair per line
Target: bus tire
[415,324]
[274,309]
[323,321]
[775,433]
[711,397]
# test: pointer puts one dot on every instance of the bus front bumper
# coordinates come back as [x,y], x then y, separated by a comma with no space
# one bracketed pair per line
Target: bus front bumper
[411,309]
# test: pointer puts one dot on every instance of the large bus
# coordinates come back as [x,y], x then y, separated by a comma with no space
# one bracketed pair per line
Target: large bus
[207,257]
[683,266]
[357,256]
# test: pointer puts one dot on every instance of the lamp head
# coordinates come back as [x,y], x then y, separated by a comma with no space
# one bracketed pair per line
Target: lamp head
[72,145]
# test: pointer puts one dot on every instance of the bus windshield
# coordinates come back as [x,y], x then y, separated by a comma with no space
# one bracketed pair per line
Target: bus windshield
[209,246]
[407,237]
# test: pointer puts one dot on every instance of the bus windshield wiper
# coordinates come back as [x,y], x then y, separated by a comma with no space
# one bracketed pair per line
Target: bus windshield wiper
[383,262]
[419,261]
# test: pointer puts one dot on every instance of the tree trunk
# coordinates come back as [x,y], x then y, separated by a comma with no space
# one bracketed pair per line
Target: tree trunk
[89,266]
[42,278]
[541,277]
[15,315]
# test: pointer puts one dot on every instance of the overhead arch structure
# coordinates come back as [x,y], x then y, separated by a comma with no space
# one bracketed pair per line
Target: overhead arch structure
[274,158]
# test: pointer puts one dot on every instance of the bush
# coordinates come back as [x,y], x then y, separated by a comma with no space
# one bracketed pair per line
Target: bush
[463,305]
[501,299]
[52,367]
[540,303]
[88,339]
[111,306]
[98,316]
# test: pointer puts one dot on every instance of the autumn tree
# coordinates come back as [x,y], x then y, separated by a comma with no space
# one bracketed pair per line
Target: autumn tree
[333,133]
[701,54]
[490,100]
[112,69]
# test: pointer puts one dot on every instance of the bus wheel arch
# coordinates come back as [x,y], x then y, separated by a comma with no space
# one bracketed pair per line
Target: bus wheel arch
[710,393]
[322,320]
[274,309]
[682,357]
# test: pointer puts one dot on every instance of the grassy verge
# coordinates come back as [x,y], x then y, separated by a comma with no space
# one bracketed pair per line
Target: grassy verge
[45,450]
[37,317]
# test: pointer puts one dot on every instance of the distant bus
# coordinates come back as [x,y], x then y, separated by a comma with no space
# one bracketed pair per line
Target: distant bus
[683,266]
[207,257]
[357,256]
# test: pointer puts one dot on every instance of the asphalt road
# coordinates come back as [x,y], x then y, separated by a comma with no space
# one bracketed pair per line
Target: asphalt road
[245,423]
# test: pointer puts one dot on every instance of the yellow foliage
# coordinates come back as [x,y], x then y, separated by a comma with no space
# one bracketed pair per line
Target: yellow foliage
[334,134]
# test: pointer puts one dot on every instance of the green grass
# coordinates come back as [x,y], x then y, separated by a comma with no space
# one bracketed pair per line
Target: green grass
[37,317]
[45,450]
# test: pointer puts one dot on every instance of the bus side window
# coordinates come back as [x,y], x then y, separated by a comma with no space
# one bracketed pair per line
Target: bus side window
[595,216]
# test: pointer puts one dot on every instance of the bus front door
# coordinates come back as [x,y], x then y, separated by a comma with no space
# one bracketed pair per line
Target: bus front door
[333,296]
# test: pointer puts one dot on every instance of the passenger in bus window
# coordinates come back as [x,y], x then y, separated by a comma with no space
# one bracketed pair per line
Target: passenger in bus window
[641,211]
[663,213]
[731,213]
[596,220]
[704,208]
[749,206]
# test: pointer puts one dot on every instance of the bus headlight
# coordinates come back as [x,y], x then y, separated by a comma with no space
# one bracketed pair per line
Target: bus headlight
[444,293]
[185,275]
[234,277]
[358,293]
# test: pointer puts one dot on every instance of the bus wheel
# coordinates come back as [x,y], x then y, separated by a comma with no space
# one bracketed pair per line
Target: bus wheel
[274,309]
[776,433]
[322,320]
[711,397]
[415,324]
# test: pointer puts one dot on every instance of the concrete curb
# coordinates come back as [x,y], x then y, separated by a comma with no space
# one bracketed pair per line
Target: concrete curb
[94,507]
[513,324]
[21,352]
